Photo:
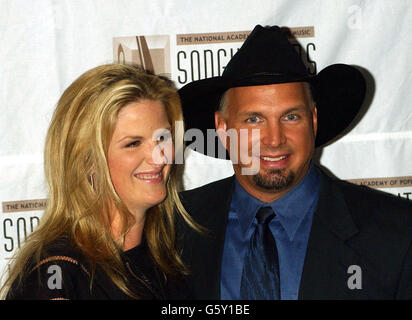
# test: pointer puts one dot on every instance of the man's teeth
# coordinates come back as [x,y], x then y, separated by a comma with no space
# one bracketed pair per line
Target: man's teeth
[274,159]
[149,176]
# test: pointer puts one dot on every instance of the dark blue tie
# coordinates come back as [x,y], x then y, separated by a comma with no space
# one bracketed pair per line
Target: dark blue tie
[260,277]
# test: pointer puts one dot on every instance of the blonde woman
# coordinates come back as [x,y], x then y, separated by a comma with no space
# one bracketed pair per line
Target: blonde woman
[108,230]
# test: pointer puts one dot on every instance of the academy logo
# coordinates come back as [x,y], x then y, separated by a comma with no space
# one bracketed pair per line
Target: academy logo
[195,56]
[150,52]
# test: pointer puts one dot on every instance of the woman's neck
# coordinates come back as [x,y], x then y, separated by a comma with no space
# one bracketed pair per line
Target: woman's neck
[133,236]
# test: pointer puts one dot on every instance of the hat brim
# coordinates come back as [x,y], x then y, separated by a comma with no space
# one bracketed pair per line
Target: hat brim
[338,91]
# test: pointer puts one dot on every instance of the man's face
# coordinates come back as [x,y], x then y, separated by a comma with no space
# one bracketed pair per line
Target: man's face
[287,123]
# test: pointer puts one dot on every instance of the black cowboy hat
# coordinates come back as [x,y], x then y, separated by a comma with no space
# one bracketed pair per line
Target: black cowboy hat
[267,57]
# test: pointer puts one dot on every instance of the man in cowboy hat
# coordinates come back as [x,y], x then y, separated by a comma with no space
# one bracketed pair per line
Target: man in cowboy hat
[288,231]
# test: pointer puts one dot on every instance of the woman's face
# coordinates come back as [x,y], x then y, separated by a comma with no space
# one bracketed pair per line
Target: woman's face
[138,176]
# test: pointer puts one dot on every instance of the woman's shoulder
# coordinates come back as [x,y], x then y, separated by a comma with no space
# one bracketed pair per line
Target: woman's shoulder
[62,249]
[60,274]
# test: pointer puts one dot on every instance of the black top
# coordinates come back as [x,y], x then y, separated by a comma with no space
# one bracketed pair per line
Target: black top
[65,275]
[147,279]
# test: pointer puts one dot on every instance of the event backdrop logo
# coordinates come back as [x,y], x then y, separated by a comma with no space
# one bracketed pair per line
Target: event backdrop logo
[150,52]
[196,56]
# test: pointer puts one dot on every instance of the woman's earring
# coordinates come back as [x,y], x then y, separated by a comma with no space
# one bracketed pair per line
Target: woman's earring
[91,180]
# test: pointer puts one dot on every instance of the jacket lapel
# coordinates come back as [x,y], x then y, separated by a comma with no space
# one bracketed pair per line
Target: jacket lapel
[325,272]
[206,255]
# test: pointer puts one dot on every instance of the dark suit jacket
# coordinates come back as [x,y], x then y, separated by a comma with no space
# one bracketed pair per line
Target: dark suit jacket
[352,225]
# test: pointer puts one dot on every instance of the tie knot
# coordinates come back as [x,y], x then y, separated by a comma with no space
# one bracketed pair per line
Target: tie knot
[264,215]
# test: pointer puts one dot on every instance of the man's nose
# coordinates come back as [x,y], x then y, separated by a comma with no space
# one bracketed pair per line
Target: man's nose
[273,135]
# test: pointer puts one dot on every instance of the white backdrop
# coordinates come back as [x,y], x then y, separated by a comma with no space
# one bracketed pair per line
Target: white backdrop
[47,44]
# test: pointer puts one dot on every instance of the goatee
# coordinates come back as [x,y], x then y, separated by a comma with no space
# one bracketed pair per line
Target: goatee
[274,179]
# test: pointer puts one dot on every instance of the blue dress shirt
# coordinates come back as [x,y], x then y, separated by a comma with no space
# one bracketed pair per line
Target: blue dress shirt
[290,228]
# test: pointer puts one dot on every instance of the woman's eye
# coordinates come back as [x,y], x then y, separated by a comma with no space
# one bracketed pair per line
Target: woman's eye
[133,144]
[252,120]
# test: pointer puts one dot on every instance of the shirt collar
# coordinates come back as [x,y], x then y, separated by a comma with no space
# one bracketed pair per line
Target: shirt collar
[290,209]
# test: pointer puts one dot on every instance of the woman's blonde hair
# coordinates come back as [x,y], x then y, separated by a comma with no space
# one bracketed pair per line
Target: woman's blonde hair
[76,155]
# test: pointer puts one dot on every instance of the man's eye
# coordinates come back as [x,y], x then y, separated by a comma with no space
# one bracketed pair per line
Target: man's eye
[133,144]
[252,120]
[291,117]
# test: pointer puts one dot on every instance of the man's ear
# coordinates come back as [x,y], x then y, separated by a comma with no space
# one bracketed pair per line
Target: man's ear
[315,120]
[221,127]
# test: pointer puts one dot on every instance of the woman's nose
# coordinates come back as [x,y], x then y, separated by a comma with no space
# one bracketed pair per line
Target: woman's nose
[159,153]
